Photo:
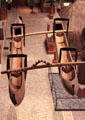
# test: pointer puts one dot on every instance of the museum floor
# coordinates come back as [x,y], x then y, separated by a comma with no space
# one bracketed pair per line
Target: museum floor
[37,103]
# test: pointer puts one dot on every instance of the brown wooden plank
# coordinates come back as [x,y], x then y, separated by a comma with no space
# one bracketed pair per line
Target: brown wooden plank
[0,54]
[42,66]
[39,33]
[1,34]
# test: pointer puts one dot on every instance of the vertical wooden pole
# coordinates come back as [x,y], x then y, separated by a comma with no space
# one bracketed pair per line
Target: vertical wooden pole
[55,58]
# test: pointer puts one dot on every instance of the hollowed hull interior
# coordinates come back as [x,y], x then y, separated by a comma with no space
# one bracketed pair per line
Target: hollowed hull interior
[67,73]
[17,79]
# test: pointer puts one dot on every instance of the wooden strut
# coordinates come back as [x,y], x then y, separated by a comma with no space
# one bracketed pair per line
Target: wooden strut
[42,66]
[39,33]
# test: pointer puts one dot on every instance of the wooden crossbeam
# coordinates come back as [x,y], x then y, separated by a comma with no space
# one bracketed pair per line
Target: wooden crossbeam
[39,33]
[42,66]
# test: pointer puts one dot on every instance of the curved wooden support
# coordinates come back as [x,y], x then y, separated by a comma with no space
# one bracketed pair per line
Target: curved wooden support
[39,33]
[42,66]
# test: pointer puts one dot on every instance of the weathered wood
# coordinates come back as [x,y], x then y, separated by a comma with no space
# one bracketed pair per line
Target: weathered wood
[16,79]
[38,33]
[15,63]
[42,66]
[67,73]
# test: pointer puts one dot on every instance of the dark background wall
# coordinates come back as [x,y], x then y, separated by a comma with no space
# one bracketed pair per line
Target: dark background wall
[23,2]
[19,2]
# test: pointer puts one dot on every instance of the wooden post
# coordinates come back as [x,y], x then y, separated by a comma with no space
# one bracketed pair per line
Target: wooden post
[48,27]
[3,10]
[51,10]
[55,58]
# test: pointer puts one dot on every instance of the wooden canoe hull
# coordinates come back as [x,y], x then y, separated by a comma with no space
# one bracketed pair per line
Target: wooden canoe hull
[17,60]
[67,73]
[17,95]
